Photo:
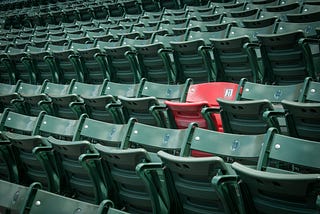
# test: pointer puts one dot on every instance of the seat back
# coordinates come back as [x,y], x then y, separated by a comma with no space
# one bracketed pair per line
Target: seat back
[287,60]
[189,62]
[274,93]
[246,117]
[211,91]
[86,89]
[278,192]
[274,157]
[121,89]
[189,182]
[211,31]
[139,108]
[234,59]
[310,91]
[199,96]
[236,31]
[122,64]
[176,92]
[14,196]
[130,190]
[57,127]
[107,134]
[92,62]
[17,123]
[139,135]
[77,181]
[44,201]
[244,149]
[152,66]
[8,92]
[302,119]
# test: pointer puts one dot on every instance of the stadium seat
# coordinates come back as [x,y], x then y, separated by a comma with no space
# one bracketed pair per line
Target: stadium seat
[170,140]
[246,117]
[235,58]
[62,63]
[286,58]
[14,123]
[180,114]
[43,201]
[92,61]
[70,104]
[14,65]
[8,92]
[76,180]
[274,93]
[134,193]
[95,131]
[122,64]
[152,66]
[309,92]
[150,95]
[302,119]
[189,182]
[281,182]
[96,106]
[231,148]
[29,96]
[190,63]
[13,196]
[33,152]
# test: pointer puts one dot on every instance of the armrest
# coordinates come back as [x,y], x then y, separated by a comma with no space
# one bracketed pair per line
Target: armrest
[91,162]
[46,105]
[100,54]
[165,51]
[42,149]
[149,174]
[115,110]
[78,107]
[251,45]
[204,51]
[143,167]
[229,192]
[105,205]
[204,48]
[132,52]
[160,107]
[309,41]
[89,156]
[206,113]
[274,113]
[158,112]
[18,105]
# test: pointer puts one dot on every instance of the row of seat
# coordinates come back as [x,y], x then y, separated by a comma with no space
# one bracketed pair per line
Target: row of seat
[16,198]
[146,25]
[129,61]
[220,106]
[239,10]
[82,11]
[86,11]
[92,161]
